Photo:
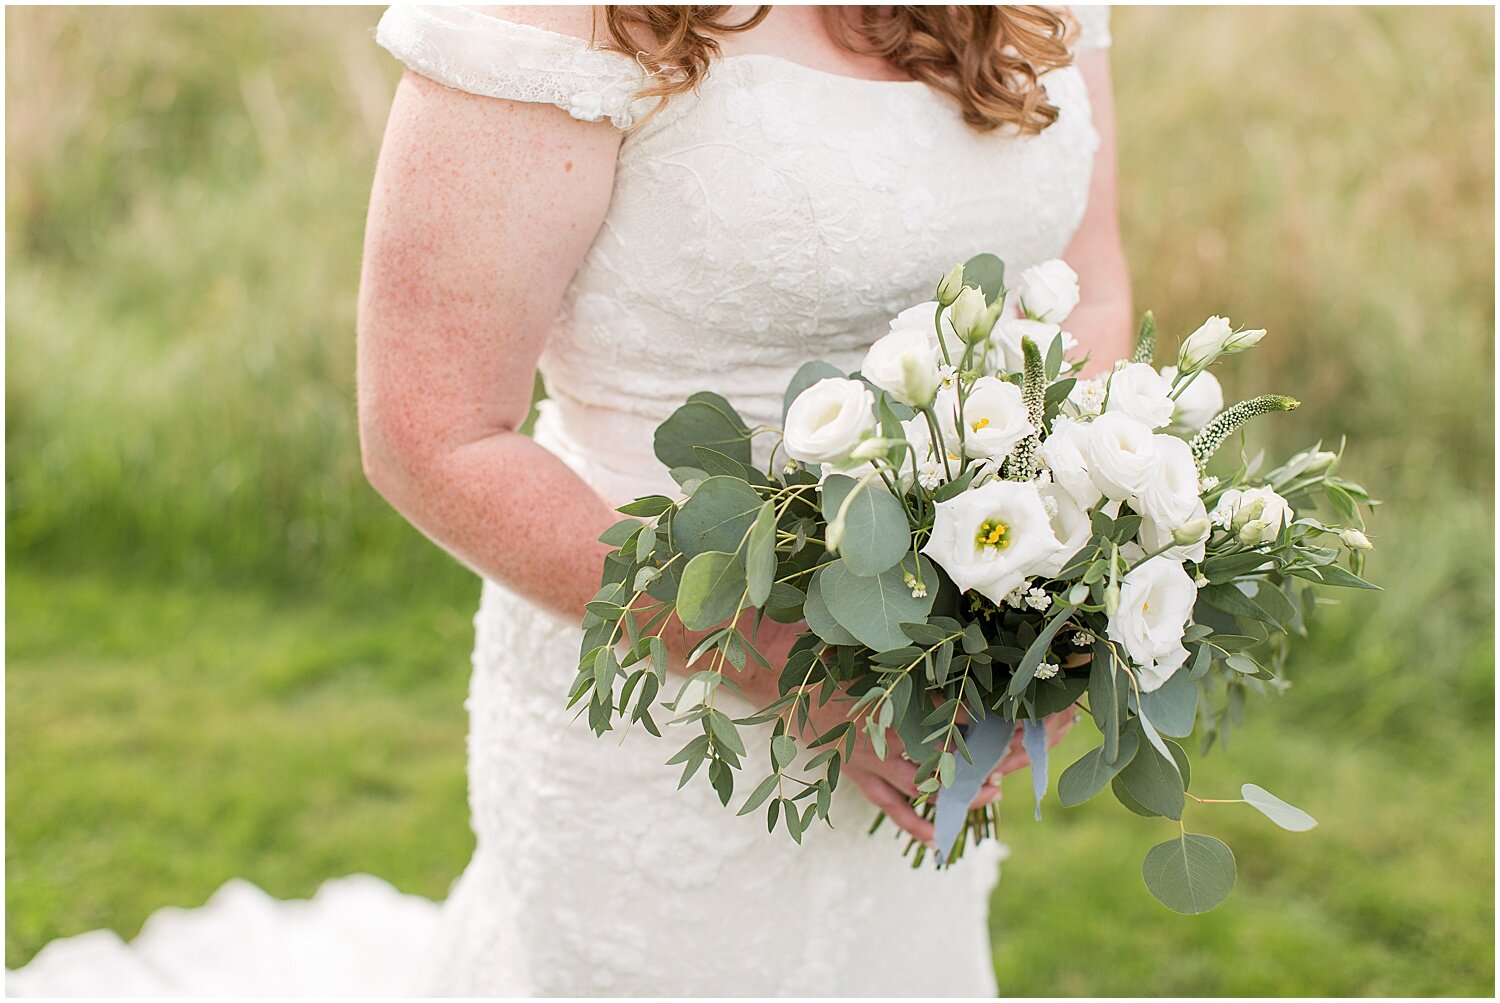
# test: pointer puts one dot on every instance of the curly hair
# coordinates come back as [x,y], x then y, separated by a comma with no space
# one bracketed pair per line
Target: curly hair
[987,59]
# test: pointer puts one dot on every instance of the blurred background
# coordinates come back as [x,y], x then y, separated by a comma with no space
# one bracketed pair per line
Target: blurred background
[227,657]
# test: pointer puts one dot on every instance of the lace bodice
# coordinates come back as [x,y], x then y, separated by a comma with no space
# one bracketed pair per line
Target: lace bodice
[779,214]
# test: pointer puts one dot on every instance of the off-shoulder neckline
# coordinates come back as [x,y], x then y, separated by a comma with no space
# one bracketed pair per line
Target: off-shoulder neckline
[585,45]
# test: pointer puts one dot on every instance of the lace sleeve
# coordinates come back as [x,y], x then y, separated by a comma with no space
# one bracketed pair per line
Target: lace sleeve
[481,54]
[1093,26]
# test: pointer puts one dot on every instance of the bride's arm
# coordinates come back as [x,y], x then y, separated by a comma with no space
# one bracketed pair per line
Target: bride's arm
[481,212]
[1102,323]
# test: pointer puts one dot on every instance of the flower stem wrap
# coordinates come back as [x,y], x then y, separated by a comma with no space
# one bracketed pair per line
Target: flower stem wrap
[1207,442]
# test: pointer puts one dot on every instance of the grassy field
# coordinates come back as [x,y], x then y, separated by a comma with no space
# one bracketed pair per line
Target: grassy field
[227,657]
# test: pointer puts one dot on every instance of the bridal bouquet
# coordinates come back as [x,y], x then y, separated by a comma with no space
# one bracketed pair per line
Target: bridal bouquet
[977,538]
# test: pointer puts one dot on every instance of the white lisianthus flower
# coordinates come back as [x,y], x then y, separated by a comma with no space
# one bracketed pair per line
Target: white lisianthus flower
[992,538]
[919,318]
[1070,524]
[1213,339]
[1171,497]
[1049,291]
[903,364]
[1255,515]
[1154,536]
[1198,403]
[994,418]
[1087,397]
[1007,335]
[1121,455]
[1140,391]
[1156,602]
[1062,453]
[828,420]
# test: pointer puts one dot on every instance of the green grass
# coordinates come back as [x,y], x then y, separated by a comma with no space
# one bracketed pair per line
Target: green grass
[227,657]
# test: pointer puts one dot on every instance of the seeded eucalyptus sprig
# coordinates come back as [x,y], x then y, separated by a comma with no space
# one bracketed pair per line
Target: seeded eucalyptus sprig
[1208,441]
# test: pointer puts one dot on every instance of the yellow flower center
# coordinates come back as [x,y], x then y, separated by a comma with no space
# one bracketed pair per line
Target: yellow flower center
[992,533]
[981,423]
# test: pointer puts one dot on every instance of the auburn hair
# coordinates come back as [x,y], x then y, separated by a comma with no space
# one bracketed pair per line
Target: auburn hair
[987,59]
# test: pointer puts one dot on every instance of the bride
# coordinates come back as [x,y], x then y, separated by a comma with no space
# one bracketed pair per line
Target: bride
[641,203]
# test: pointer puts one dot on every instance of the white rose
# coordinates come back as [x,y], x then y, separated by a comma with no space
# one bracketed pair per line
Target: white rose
[1156,602]
[1140,391]
[1213,339]
[919,318]
[1049,291]
[1007,335]
[1070,524]
[828,420]
[1199,401]
[1256,515]
[1173,494]
[994,418]
[1121,455]
[992,538]
[903,364]
[1063,453]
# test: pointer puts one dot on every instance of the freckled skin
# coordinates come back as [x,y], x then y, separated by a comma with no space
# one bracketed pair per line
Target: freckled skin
[480,215]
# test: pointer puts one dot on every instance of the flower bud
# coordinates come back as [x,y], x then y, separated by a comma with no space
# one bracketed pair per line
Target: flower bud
[967,314]
[1111,598]
[871,448]
[1355,540]
[1255,532]
[1190,533]
[951,285]
[1213,339]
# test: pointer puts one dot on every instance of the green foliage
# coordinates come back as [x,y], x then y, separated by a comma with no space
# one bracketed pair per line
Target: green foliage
[1189,874]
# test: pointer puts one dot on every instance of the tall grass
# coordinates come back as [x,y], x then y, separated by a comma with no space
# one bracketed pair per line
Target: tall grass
[191,539]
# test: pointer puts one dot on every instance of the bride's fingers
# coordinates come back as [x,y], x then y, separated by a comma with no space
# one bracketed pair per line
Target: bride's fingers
[988,794]
[895,805]
[899,773]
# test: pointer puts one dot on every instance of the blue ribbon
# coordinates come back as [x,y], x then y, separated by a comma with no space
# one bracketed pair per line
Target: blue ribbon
[987,740]
[1034,741]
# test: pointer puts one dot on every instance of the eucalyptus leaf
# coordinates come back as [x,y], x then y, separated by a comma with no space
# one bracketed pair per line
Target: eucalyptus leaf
[712,584]
[1287,816]
[760,555]
[1154,782]
[708,420]
[876,531]
[1089,775]
[1173,706]
[1190,874]
[986,272]
[873,608]
[716,517]
[819,620]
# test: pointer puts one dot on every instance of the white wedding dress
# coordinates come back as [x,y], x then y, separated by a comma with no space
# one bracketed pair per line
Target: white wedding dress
[779,214]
